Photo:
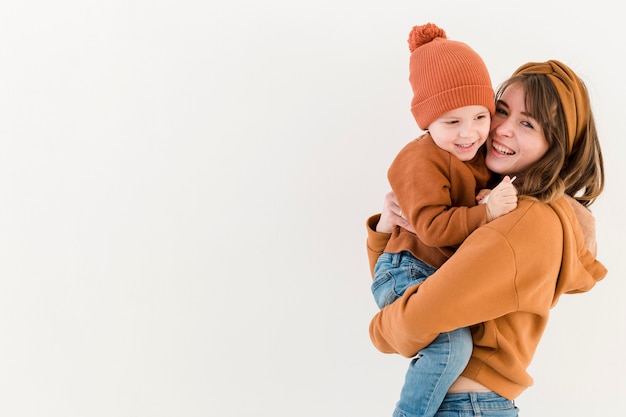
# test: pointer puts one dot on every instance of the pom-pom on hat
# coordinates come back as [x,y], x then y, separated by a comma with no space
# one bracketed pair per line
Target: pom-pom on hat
[445,75]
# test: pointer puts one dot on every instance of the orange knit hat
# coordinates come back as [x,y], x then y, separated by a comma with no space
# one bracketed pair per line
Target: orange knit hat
[445,75]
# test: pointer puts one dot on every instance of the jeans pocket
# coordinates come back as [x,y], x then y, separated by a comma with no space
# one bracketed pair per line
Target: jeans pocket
[383,289]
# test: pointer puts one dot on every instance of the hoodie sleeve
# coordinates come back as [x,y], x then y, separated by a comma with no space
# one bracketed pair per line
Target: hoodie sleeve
[511,271]
[475,285]
[376,241]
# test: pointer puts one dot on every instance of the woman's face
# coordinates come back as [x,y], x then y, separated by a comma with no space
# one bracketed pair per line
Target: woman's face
[516,140]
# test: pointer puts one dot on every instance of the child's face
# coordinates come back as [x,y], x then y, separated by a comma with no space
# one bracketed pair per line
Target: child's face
[461,131]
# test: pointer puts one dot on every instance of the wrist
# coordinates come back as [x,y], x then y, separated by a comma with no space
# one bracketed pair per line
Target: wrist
[490,215]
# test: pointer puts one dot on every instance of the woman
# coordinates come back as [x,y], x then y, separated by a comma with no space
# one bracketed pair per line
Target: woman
[507,275]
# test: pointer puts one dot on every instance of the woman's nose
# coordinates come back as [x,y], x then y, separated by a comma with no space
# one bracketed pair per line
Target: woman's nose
[503,128]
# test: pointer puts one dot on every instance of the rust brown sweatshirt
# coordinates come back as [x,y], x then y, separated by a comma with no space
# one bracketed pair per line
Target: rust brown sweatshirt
[503,280]
[437,193]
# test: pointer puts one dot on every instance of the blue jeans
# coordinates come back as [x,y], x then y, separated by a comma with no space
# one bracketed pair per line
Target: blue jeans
[440,363]
[476,404]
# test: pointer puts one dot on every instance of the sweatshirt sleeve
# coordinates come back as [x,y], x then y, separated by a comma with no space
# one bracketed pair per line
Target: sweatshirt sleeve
[469,288]
[424,180]
[376,241]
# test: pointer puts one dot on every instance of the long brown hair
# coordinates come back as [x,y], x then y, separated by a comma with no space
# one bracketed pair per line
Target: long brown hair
[579,173]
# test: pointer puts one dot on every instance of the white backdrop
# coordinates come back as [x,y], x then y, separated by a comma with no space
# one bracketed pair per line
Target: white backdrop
[184,187]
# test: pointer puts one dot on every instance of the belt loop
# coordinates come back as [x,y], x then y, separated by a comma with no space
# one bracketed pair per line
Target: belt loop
[395,259]
[475,405]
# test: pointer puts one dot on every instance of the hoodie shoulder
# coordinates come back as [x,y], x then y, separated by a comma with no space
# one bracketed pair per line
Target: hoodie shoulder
[587,223]
[580,270]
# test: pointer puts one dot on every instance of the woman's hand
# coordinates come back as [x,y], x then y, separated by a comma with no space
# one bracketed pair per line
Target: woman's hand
[391,216]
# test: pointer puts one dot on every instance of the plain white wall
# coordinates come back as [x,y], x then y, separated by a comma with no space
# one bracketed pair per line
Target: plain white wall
[183,191]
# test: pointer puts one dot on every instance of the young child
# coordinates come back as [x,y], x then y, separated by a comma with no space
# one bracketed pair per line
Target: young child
[436,179]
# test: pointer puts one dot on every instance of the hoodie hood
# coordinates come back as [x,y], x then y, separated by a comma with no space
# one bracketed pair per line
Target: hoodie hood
[580,270]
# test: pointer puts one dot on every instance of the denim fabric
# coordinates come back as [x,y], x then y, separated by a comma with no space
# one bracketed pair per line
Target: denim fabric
[432,372]
[477,404]
[394,273]
[440,363]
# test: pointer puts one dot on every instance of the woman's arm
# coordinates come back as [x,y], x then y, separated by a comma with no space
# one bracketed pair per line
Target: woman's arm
[476,284]
[505,272]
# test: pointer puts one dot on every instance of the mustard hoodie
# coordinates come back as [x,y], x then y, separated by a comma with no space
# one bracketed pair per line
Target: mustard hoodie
[503,281]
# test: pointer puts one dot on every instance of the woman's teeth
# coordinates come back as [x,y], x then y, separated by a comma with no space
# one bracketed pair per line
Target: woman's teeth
[503,150]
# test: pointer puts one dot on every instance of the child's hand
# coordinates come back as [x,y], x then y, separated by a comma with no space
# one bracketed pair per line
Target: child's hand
[502,199]
[481,197]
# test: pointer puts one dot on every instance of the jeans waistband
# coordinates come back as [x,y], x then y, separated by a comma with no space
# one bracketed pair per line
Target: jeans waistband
[476,400]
